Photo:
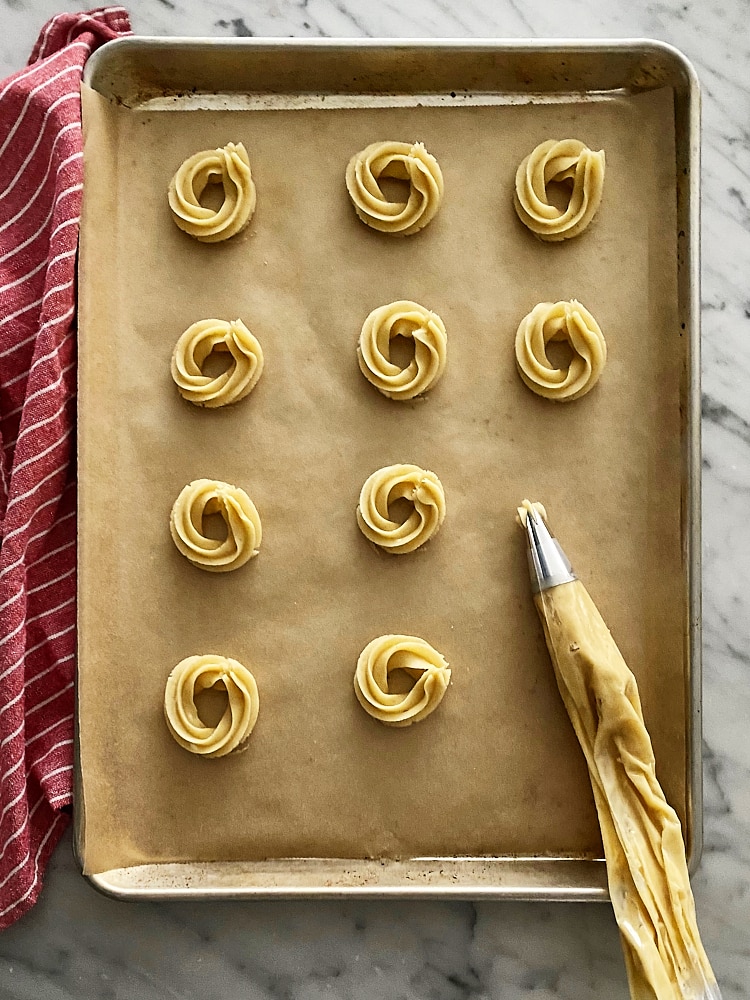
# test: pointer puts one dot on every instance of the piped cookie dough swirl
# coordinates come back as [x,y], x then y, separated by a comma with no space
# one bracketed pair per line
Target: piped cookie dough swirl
[412,322]
[383,488]
[560,321]
[229,166]
[243,528]
[559,161]
[415,657]
[204,338]
[403,161]
[196,674]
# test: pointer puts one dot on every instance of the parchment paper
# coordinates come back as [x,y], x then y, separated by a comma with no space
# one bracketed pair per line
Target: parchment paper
[497,769]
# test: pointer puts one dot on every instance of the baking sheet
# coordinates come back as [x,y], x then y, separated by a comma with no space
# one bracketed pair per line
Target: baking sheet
[496,771]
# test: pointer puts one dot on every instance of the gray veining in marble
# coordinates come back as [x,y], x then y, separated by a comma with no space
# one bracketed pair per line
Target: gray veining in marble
[78,944]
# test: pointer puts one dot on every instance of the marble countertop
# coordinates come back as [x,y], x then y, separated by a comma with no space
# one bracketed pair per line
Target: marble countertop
[76,943]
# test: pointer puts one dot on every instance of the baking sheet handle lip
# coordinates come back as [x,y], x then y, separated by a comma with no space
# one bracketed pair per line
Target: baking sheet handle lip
[102,883]
[385,41]
[104,52]
[695,465]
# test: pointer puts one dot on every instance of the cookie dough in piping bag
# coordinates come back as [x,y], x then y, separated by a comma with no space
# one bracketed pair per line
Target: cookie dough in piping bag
[647,870]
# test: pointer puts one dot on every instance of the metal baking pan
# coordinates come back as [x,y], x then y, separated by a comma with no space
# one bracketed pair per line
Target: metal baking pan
[281,73]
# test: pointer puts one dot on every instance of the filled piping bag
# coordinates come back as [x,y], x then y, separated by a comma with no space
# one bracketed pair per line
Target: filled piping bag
[646,868]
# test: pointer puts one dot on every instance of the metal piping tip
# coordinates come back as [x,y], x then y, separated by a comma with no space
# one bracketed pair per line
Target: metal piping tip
[548,565]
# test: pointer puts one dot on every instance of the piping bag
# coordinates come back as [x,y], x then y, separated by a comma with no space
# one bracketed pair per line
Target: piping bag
[646,868]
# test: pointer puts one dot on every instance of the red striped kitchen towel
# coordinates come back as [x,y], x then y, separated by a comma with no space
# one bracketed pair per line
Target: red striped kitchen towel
[41,174]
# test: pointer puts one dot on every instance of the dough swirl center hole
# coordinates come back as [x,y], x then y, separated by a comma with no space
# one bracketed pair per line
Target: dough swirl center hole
[401,351]
[400,682]
[212,195]
[216,363]
[211,704]
[559,354]
[559,192]
[394,189]
[214,526]
[400,510]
